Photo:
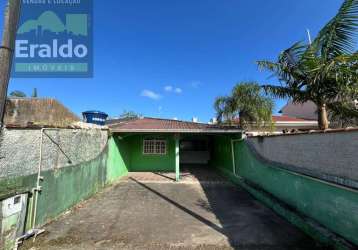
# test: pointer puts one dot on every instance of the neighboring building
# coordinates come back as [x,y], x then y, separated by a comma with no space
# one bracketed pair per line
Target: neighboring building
[307,110]
[153,144]
[22,112]
[287,123]
[284,124]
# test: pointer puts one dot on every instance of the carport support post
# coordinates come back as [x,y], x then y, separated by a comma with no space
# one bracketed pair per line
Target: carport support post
[177,166]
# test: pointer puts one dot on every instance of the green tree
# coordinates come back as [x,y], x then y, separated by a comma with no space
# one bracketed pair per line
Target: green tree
[345,114]
[34,93]
[248,103]
[17,93]
[322,71]
[129,114]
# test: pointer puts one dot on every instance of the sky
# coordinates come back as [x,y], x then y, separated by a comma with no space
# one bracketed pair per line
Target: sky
[172,58]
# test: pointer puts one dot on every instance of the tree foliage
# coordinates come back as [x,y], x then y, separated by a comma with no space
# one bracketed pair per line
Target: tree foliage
[324,71]
[17,93]
[129,114]
[246,103]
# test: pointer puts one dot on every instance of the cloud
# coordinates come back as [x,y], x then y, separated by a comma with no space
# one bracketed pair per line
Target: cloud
[195,84]
[150,94]
[178,90]
[168,88]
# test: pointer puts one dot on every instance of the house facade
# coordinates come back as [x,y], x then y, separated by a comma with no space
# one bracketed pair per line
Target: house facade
[152,144]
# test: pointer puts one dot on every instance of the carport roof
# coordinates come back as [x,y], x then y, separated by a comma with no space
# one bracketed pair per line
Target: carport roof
[158,125]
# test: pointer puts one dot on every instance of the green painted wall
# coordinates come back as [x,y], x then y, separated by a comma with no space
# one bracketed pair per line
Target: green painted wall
[142,163]
[61,188]
[221,154]
[325,237]
[65,187]
[13,186]
[130,147]
[118,159]
[332,206]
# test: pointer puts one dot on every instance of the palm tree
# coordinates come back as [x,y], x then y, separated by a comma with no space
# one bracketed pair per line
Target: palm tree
[321,71]
[247,103]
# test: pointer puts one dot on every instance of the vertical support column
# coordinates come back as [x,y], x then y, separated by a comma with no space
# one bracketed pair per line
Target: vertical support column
[233,157]
[234,170]
[177,166]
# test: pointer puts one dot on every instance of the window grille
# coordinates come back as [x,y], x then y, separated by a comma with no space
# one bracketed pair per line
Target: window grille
[154,147]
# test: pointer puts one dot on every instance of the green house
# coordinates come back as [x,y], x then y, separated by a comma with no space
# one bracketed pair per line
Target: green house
[164,145]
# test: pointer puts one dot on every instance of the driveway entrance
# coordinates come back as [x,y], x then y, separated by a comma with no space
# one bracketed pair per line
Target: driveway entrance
[152,211]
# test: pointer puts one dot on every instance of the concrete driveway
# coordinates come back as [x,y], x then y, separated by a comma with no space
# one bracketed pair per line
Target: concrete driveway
[142,212]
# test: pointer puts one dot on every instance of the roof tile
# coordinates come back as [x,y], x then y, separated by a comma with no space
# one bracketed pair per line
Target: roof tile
[153,124]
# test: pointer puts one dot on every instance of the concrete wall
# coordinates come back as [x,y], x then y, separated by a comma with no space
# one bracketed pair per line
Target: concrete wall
[61,189]
[326,211]
[329,156]
[95,163]
[19,149]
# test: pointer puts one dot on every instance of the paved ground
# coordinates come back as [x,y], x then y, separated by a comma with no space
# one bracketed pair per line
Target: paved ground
[188,175]
[149,211]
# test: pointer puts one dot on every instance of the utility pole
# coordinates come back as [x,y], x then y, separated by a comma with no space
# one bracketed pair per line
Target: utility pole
[309,36]
[11,19]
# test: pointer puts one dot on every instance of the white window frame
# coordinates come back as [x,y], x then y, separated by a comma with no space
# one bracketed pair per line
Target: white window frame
[155,150]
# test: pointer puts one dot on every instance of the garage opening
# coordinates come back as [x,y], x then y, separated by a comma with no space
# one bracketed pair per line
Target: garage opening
[196,158]
[194,151]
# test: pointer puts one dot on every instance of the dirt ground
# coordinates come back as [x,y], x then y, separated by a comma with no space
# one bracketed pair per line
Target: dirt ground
[150,211]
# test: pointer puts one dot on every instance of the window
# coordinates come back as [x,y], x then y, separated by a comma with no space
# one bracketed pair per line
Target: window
[154,147]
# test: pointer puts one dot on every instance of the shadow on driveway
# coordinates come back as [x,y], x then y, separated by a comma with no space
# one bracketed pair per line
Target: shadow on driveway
[243,221]
[169,215]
